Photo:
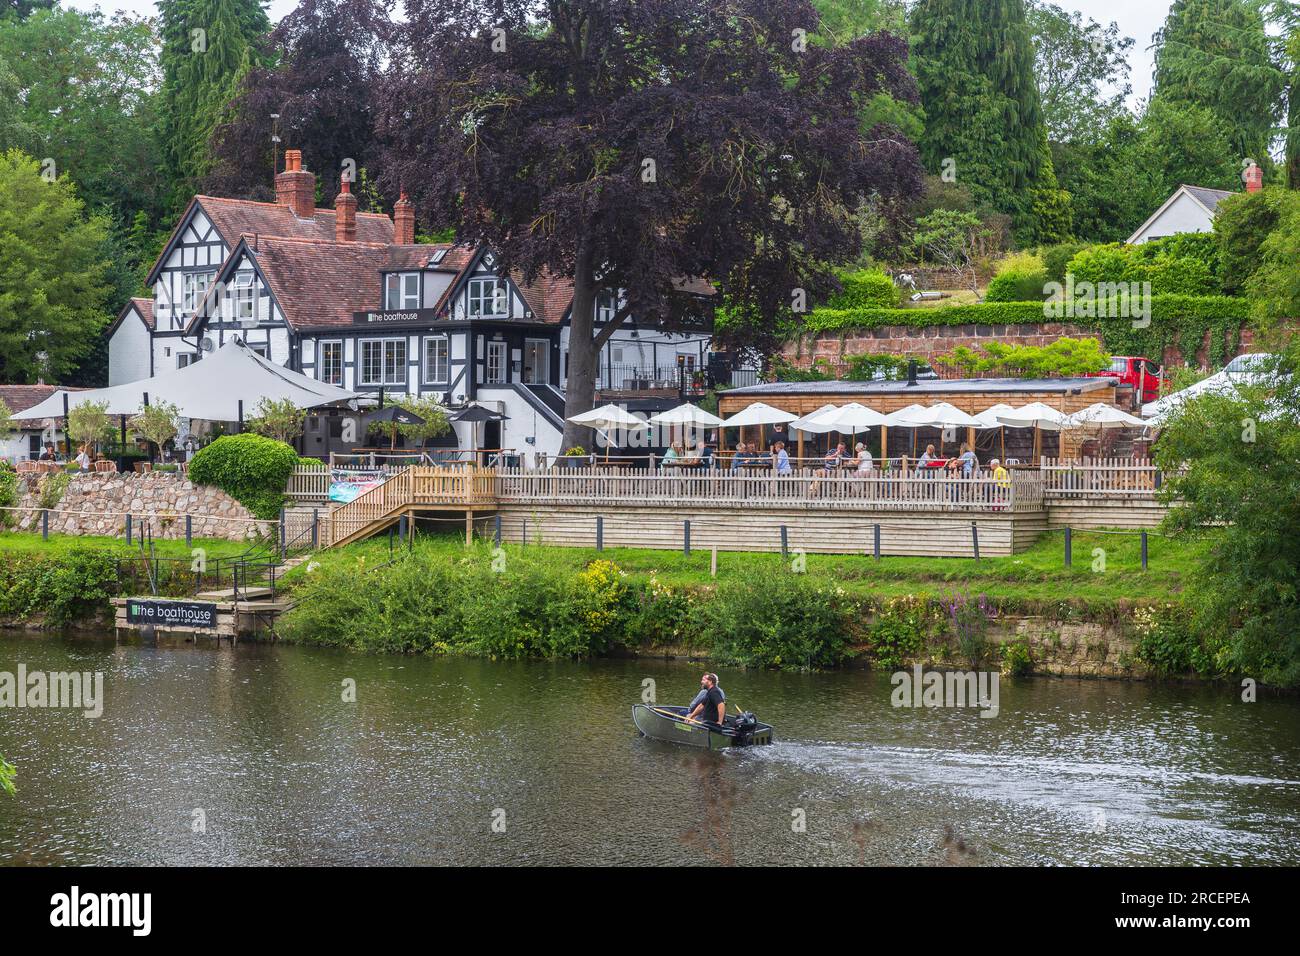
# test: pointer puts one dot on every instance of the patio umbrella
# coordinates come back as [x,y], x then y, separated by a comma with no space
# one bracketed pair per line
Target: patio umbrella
[989,419]
[608,418]
[759,414]
[1106,416]
[475,414]
[392,416]
[848,418]
[809,422]
[687,415]
[1037,416]
[913,417]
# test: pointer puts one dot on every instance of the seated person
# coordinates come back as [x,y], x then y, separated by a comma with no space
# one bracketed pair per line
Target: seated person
[673,455]
[741,458]
[781,459]
[834,458]
[970,464]
[865,463]
[922,463]
[712,708]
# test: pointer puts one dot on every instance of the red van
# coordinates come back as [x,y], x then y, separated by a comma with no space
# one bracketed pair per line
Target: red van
[1142,374]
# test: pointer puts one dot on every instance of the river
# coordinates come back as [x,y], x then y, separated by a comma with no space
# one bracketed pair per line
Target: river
[211,754]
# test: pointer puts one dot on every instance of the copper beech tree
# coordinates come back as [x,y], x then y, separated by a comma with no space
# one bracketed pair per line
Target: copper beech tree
[632,144]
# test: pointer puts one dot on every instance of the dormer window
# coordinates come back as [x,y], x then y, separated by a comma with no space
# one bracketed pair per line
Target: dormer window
[402,291]
[487,298]
[245,296]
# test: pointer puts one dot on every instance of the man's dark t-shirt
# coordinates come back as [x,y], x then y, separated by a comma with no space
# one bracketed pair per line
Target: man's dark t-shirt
[711,701]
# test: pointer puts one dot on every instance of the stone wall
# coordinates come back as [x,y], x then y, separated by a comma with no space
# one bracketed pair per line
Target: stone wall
[97,504]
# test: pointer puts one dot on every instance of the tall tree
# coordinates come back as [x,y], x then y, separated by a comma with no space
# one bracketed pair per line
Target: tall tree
[328,55]
[52,291]
[1082,69]
[631,144]
[22,9]
[974,64]
[1215,54]
[207,48]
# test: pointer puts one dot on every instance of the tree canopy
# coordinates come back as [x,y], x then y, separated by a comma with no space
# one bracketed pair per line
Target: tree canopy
[634,145]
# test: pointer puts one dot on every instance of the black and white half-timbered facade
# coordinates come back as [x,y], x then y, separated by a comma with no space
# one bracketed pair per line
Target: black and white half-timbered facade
[351,299]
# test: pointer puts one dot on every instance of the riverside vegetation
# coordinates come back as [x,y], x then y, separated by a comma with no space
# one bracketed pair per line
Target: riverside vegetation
[441,597]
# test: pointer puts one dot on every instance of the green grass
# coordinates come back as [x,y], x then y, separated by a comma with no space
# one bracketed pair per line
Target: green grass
[1034,576]
[62,543]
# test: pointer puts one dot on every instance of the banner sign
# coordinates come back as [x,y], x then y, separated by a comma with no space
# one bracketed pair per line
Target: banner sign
[171,613]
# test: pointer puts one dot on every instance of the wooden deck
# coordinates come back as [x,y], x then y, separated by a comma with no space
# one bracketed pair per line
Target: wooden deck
[919,513]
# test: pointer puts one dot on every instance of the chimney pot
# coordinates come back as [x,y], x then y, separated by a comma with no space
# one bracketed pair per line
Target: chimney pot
[345,214]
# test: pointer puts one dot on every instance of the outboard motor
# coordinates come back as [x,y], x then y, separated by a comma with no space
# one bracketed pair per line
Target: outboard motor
[746,724]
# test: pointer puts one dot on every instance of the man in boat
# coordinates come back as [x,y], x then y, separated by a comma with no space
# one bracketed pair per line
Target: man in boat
[710,704]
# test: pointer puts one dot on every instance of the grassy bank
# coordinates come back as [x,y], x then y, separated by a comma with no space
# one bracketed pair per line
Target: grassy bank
[69,579]
[521,601]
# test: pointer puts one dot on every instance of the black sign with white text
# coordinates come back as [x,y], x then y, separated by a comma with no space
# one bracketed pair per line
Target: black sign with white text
[171,613]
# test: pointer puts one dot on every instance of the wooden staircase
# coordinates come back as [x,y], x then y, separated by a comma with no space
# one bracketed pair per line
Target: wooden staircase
[414,488]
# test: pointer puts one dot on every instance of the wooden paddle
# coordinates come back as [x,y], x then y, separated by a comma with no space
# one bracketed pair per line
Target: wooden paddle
[671,716]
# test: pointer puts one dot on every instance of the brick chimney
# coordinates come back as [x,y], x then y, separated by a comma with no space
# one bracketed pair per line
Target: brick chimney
[1254,177]
[404,222]
[345,214]
[295,187]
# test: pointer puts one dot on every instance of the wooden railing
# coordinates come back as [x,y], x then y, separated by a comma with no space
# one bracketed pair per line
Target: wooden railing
[410,488]
[1021,491]
[308,484]
[1099,478]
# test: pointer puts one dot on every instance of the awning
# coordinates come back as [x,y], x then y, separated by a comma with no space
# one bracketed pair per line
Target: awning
[209,389]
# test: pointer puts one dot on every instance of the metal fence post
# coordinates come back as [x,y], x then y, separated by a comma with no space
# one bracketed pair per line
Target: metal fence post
[496,531]
[1069,551]
[1159,479]
[876,541]
[128,528]
[975,539]
[1144,550]
[315,528]
[189,531]
[284,540]
[45,524]
[686,538]
[600,533]
[785,543]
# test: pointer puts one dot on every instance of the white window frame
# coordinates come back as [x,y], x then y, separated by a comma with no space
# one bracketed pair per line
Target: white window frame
[261,348]
[431,368]
[193,290]
[384,344]
[476,301]
[606,305]
[546,353]
[497,347]
[322,348]
[401,291]
[244,293]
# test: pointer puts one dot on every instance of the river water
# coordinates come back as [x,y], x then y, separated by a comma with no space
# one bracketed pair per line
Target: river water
[249,755]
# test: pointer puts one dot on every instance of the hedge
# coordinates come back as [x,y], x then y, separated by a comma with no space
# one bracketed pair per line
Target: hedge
[250,468]
[866,288]
[1175,320]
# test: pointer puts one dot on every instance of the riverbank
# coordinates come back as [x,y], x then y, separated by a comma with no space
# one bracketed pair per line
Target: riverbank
[1024,613]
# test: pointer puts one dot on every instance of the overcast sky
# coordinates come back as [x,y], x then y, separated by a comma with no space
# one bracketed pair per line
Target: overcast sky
[1138,19]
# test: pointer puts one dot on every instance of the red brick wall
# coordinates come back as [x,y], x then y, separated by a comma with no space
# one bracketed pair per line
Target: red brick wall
[929,342]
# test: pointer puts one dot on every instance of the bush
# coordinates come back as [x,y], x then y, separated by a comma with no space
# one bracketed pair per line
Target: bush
[790,624]
[867,288]
[1168,644]
[869,366]
[1056,258]
[251,469]
[51,490]
[9,495]
[900,630]
[1017,660]
[1185,267]
[64,587]
[1021,277]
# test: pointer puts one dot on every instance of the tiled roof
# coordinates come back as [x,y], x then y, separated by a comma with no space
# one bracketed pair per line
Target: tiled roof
[145,308]
[321,283]
[19,398]
[548,295]
[1209,198]
[237,217]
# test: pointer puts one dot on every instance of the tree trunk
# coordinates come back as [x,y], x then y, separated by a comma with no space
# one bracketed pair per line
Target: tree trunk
[580,387]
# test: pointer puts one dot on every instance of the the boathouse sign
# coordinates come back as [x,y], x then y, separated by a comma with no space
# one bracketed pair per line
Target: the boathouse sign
[171,613]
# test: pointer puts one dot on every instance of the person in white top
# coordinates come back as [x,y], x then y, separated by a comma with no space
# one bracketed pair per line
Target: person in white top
[865,463]
[83,458]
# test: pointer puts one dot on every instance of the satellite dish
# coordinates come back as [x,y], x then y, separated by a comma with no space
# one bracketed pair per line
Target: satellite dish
[205,344]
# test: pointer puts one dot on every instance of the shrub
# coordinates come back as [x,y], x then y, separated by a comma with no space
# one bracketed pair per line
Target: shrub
[1056,258]
[869,366]
[51,490]
[1021,277]
[63,587]
[1168,644]
[1017,660]
[969,621]
[866,288]
[899,630]
[280,419]
[9,495]
[250,468]
[791,624]
[1184,267]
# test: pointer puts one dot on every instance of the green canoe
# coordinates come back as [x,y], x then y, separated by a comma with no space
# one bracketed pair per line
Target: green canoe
[670,723]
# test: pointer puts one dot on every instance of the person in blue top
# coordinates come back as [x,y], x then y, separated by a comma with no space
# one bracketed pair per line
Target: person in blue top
[969,463]
[782,459]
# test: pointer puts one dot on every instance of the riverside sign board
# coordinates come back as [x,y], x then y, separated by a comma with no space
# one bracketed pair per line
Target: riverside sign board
[171,613]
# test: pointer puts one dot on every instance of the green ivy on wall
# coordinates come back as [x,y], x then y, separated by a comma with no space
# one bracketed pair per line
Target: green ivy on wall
[1181,321]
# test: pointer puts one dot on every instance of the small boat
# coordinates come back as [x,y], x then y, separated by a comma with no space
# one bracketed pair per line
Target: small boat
[670,723]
